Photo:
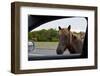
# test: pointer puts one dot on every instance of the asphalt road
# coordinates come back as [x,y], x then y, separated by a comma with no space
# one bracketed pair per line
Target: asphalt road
[48,52]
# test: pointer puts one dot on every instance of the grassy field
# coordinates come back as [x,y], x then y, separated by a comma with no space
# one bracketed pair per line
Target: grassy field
[48,45]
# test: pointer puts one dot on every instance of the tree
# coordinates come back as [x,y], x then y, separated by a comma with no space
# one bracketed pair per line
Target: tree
[44,35]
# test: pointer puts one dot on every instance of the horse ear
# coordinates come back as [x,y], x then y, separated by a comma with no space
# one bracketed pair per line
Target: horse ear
[69,27]
[59,28]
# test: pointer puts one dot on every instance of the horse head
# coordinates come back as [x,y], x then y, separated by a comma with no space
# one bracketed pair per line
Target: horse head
[64,39]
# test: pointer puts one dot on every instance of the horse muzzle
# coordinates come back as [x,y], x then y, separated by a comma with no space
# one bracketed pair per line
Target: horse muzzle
[59,52]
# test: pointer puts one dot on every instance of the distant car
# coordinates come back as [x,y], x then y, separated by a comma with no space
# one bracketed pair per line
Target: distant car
[31,46]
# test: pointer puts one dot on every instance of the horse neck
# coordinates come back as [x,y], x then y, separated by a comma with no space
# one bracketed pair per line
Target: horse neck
[71,47]
[75,45]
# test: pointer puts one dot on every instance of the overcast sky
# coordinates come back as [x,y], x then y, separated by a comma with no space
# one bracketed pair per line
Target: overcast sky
[77,24]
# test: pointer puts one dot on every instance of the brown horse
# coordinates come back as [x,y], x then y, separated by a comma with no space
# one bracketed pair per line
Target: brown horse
[67,40]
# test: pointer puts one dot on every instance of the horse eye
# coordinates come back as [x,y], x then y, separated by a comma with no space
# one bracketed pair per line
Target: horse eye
[66,36]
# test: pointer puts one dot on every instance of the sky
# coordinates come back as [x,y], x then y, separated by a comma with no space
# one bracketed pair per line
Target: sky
[77,24]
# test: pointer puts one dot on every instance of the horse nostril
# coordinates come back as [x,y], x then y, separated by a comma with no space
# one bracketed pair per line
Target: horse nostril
[59,52]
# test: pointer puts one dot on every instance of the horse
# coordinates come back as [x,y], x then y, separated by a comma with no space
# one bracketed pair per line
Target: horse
[67,40]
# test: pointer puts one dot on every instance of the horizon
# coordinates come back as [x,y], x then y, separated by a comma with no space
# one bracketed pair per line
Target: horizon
[55,29]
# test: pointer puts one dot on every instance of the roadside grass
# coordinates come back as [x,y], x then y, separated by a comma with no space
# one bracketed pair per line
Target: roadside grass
[47,45]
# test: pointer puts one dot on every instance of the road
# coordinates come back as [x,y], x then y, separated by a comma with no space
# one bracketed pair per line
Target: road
[46,54]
